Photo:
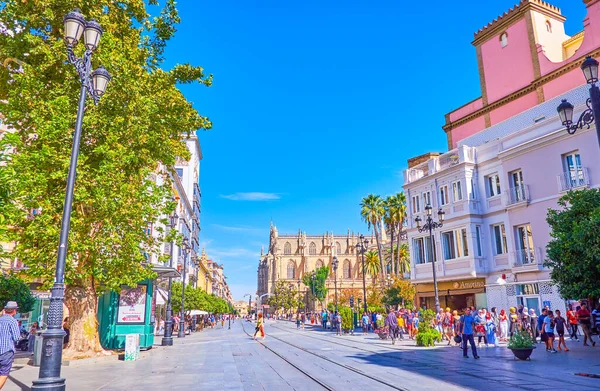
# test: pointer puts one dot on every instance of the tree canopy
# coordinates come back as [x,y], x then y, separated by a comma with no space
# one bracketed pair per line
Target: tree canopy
[400,293]
[285,296]
[317,285]
[574,251]
[13,288]
[197,299]
[129,142]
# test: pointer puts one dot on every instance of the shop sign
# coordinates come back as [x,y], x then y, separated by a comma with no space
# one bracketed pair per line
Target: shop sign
[41,295]
[477,283]
[468,284]
[132,305]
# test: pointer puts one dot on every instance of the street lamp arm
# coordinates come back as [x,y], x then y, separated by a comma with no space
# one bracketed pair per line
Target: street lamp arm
[430,225]
[586,119]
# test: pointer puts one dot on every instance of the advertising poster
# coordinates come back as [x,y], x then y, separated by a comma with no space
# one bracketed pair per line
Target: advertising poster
[132,305]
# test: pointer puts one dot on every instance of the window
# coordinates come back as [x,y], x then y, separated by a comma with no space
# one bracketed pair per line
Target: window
[504,39]
[473,190]
[291,270]
[454,244]
[312,249]
[478,240]
[492,183]
[573,170]
[148,227]
[456,191]
[500,246]
[423,250]
[287,249]
[179,172]
[338,248]
[517,191]
[525,253]
[444,195]
[415,204]
[427,198]
[548,26]
[347,269]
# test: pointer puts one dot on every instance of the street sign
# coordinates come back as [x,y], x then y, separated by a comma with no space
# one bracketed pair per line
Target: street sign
[351,301]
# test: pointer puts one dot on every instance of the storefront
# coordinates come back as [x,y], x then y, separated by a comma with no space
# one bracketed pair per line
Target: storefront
[457,294]
[531,294]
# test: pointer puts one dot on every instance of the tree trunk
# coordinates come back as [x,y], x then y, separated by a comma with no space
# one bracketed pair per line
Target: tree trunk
[399,265]
[392,229]
[381,263]
[82,303]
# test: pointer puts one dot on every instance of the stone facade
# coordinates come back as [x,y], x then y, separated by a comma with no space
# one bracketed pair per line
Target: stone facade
[290,257]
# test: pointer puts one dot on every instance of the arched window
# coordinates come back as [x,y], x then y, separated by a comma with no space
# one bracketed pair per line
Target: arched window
[312,249]
[504,39]
[291,270]
[338,248]
[347,269]
[319,264]
[548,26]
[287,249]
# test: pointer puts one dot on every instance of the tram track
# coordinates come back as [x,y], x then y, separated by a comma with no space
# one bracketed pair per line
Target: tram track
[344,366]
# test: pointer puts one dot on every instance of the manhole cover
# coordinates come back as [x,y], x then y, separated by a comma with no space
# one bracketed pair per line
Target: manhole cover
[241,354]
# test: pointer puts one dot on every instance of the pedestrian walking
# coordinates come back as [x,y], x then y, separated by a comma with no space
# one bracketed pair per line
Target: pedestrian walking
[549,331]
[480,322]
[260,327]
[324,319]
[9,335]
[533,324]
[31,337]
[573,329]
[365,324]
[391,322]
[400,321]
[540,326]
[561,324]
[338,323]
[467,324]
[298,321]
[503,326]
[490,330]
[585,320]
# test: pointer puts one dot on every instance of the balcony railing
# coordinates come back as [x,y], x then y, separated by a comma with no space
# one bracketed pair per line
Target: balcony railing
[526,257]
[573,179]
[462,154]
[517,194]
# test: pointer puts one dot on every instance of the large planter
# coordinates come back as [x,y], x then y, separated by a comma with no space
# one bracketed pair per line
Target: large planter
[522,353]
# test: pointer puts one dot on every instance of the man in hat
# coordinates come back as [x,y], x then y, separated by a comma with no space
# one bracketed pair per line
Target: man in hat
[9,335]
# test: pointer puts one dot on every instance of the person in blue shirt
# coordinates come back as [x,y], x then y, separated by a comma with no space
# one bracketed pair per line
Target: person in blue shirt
[365,323]
[549,331]
[540,326]
[467,323]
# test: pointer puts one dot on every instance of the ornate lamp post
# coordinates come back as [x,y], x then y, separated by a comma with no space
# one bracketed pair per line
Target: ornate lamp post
[249,302]
[167,339]
[93,83]
[186,251]
[298,290]
[361,247]
[312,287]
[430,225]
[334,264]
[592,113]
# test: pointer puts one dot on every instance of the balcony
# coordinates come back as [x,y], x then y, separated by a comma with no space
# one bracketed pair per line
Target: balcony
[518,195]
[443,162]
[573,179]
[527,259]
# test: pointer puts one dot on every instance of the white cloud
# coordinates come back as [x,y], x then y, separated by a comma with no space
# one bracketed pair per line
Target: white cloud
[237,228]
[233,253]
[252,196]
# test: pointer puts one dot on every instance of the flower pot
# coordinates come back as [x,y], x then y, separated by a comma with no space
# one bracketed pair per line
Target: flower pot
[522,353]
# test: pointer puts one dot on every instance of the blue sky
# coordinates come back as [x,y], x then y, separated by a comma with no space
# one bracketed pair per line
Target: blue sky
[317,103]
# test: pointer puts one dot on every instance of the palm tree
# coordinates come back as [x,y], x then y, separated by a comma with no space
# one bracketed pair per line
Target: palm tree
[404,258]
[372,211]
[372,264]
[401,218]
[390,206]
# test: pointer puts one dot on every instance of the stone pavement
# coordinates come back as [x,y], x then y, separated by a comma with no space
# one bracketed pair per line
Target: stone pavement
[223,359]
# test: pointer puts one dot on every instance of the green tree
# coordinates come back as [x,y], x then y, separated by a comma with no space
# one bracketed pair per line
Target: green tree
[401,259]
[372,211]
[131,138]
[400,292]
[317,286]
[13,288]
[347,320]
[394,216]
[574,251]
[372,264]
[427,335]
[285,296]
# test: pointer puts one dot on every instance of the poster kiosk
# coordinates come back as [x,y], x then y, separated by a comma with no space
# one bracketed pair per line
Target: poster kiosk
[132,311]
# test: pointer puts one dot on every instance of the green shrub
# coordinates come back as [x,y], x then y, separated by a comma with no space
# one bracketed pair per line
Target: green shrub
[521,340]
[428,337]
[381,322]
[346,313]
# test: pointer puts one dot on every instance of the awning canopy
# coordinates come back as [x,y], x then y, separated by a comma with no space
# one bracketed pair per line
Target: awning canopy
[198,312]
[162,295]
[165,271]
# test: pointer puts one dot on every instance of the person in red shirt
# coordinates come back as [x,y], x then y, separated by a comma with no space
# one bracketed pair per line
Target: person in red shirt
[585,320]
[572,319]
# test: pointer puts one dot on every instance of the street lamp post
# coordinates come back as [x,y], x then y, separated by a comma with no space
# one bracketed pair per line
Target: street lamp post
[362,246]
[167,339]
[334,264]
[592,113]
[298,290]
[430,225]
[312,287]
[93,83]
[186,251]
[249,302]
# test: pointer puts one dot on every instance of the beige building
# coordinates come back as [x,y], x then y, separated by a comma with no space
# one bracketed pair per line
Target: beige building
[241,307]
[290,257]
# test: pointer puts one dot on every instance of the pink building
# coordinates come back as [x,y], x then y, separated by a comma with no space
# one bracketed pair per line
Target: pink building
[510,160]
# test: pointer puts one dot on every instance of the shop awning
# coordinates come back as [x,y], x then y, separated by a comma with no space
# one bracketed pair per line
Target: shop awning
[452,292]
[165,271]
[162,296]
[198,312]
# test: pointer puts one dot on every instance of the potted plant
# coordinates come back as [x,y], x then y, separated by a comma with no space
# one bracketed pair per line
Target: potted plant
[381,330]
[521,344]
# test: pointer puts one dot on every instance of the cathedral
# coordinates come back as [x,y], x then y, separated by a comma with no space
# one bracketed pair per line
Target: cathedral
[289,257]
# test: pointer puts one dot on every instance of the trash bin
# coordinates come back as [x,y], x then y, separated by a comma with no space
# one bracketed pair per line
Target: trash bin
[37,350]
